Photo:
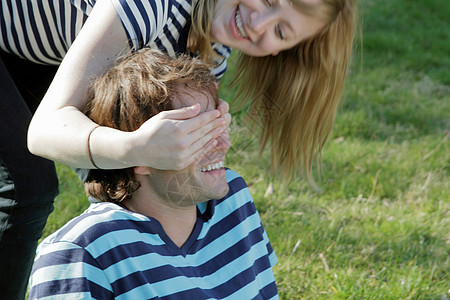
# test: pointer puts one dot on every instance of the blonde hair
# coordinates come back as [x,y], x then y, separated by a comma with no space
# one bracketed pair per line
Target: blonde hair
[294,96]
[200,31]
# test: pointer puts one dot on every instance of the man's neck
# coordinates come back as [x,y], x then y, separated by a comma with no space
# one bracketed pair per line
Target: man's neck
[177,222]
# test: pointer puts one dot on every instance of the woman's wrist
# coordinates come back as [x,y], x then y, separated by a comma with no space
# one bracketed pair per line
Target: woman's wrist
[111,148]
[89,152]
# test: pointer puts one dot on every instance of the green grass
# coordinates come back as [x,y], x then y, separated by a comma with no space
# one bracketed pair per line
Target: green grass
[379,229]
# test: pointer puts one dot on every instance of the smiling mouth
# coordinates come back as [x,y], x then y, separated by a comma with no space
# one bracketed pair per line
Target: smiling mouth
[215,166]
[239,25]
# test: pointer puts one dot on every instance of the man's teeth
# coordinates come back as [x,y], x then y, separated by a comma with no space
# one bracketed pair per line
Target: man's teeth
[215,166]
[239,24]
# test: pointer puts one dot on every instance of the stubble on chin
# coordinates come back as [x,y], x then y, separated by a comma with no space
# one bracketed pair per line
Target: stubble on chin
[183,190]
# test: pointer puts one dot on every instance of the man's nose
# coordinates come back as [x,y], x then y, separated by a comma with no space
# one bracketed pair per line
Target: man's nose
[261,21]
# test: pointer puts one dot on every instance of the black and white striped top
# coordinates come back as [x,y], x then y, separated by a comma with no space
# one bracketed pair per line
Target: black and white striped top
[43,30]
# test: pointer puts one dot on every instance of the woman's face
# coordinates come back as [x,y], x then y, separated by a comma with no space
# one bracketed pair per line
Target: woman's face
[261,27]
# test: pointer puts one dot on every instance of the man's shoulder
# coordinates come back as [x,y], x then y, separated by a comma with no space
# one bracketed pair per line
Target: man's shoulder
[233,177]
[231,174]
[91,222]
[235,181]
[238,189]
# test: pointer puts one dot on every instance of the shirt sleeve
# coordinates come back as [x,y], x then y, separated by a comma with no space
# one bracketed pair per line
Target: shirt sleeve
[64,268]
[143,20]
[221,64]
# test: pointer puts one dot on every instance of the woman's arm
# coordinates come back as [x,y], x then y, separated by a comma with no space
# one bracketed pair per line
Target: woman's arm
[59,130]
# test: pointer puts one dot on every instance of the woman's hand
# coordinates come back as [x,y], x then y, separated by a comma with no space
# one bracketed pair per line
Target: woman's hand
[172,140]
[224,107]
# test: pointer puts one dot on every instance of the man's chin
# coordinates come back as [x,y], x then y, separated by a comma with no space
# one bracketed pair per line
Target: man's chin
[224,191]
[216,192]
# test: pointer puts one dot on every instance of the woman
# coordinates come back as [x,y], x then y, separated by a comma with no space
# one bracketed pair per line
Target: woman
[298,50]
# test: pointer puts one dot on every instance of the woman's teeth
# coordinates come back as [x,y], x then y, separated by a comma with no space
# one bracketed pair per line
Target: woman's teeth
[215,166]
[239,24]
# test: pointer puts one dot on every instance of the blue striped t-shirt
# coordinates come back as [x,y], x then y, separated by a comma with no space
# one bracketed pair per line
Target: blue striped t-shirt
[109,252]
[42,31]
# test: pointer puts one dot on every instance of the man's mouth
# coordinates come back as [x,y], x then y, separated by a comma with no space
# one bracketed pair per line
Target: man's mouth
[238,20]
[215,166]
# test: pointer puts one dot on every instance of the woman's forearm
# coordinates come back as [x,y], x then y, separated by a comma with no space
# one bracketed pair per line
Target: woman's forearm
[65,139]
[59,129]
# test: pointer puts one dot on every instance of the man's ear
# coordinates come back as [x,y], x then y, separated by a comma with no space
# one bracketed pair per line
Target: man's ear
[141,170]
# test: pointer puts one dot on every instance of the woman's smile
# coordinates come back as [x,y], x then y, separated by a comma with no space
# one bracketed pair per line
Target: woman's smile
[261,28]
[239,25]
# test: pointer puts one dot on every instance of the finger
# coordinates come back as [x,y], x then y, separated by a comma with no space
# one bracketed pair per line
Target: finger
[202,151]
[181,113]
[199,153]
[227,118]
[203,140]
[213,129]
[223,106]
[202,120]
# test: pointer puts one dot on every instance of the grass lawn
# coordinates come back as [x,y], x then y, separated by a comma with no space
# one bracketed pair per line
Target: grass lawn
[379,229]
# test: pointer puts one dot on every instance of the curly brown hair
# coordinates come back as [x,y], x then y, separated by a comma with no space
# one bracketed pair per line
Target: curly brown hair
[135,89]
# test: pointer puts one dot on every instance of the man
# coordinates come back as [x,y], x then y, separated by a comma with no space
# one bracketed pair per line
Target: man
[158,234]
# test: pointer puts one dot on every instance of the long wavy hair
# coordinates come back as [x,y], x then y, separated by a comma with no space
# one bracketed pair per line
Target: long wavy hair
[292,97]
[135,89]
